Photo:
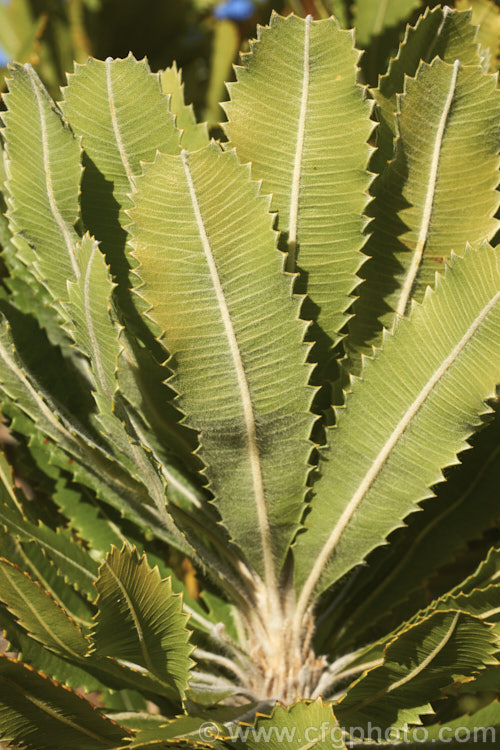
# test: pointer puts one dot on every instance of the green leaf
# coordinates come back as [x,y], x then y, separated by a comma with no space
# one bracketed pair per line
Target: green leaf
[416,552]
[94,331]
[487,572]
[93,465]
[70,558]
[432,377]
[194,135]
[39,614]
[226,362]
[225,46]
[470,729]
[105,103]
[97,334]
[297,114]
[487,16]
[439,31]
[418,663]
[303,725]
[424,207]
[44,171]
[482,603]
[33,560]
[373,18]
[39,657]
[152,631]
[39,714]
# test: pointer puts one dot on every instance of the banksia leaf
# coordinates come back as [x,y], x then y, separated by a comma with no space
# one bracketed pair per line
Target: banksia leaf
[152,632]
[297,114]
[419,662]
[417,552]
[210,282]
[71,559]
[39,714]
[193,135]
[44,171]
[424,207]
[486,15]
[441,361]
[481,727]
[438,32]
[105,103]
[39,614]
[304,724]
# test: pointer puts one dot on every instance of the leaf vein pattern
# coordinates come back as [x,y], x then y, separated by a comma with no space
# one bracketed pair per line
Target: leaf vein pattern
[138,627]
[384,454]
[48,177]
[299,150]
[90,326]
[248,413]
[429,198]
[116,127]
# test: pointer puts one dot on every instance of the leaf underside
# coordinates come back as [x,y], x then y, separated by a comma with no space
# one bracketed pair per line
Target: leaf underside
[212,275]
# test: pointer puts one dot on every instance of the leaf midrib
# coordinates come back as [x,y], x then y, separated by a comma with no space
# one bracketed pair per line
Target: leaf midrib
[246,400]
[414,672]
[116,127]
[382,457]
[51,634]
[299,152]
[138,627]
[54,714]
[429,198]
[48,176]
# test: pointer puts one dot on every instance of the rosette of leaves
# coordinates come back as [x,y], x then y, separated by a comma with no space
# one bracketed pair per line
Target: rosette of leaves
[174,314]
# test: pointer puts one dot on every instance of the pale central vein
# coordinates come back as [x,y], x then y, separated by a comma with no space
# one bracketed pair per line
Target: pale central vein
[384,454]
[63,227]
[114,122]
[299,153]
[378,24]
[410,675]
[138,627]
[17,372]
[246,400]
[90,325]
[446,14]
[429,198]
[428,659]
[49,630]
[53,713]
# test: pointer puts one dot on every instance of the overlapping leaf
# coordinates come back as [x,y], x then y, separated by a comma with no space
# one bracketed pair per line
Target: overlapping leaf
[44,174]
[478,728]
[193,135]
[302,725]
[417,552]
[418,663]
[297,114]
[427,202]
[105,103]
[39,614]
[212,275]
[39,714]
[70,558]
[486,14]
[439,31]
[431,378]
[152,631]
